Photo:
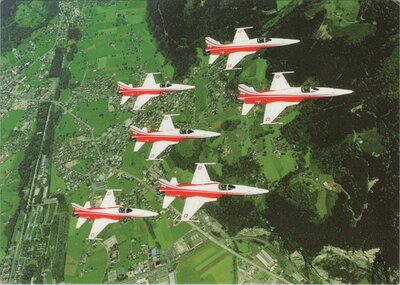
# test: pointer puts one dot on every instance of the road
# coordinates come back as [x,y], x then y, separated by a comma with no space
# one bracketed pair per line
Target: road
[211,238]
[29,201]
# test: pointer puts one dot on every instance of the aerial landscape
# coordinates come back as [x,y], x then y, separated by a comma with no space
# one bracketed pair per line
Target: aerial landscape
[233,162]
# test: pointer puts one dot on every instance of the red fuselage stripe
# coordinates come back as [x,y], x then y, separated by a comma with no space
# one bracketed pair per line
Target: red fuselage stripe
[265,99]
[138,92]
[231,49]
[150,138]
[85,214]
[186,193]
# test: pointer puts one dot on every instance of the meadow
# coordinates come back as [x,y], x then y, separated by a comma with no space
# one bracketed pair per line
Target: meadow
[122,52]
[205,264]
[9,122]
[9,183]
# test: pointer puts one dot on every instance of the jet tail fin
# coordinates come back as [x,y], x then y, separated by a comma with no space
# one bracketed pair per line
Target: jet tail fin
[210,43]
[122,85]
[246,90]
[77,207]
[136,130]
[81,221]
[165,183]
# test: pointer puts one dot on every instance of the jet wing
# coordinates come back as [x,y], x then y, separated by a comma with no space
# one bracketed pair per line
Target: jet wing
[272,110]
[166,124]
[235,57]
[149,81]
[200,175]
[158,148]
[279,82]
[98,226]
[141,100]
[192,205]
[109,200]
[240,35]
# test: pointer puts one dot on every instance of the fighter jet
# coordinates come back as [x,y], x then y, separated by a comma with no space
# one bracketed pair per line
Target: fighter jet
[241,46]
[107,213]
[281,95]
[166,135]
[149,89]
[201,190]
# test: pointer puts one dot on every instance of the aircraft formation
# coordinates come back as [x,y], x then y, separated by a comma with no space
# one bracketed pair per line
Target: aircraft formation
[201,189]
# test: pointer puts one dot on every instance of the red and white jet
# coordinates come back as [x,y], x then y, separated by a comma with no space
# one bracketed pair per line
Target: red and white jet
[107,213]
[201,190]
[281,95]
[149,89]
[241,46]
[165,136]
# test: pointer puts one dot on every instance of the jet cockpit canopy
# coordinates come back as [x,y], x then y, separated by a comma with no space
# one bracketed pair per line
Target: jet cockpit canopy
[124,210]
[226,186]
[166,84]
[185,131]
[263,40]
[308,89]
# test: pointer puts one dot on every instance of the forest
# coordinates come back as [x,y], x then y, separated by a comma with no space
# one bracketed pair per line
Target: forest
[12,34]
[325,128]
[180,26]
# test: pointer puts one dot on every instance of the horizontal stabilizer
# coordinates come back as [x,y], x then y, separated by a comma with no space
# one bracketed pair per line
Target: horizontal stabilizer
[213,58]
[138,145]
[167,201]
[124,99]
[80,222]
[246,108]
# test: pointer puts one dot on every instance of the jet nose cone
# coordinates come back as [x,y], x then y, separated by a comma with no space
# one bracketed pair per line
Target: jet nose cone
[290,41]
[257,191]
[186,87]
[262,191]
[213,134]
[339,92]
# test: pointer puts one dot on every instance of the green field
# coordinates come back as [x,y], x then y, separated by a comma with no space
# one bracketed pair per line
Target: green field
[9,122]
[282,3]
[8,189]
[206,264]
[97,116]
[30,14]
[56,181]
[254,73]
[66,127]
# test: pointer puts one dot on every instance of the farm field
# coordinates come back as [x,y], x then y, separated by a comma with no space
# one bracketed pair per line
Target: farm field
[106,50]
[205,265]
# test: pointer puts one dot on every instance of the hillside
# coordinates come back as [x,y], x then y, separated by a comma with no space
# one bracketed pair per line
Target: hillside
[335,180]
